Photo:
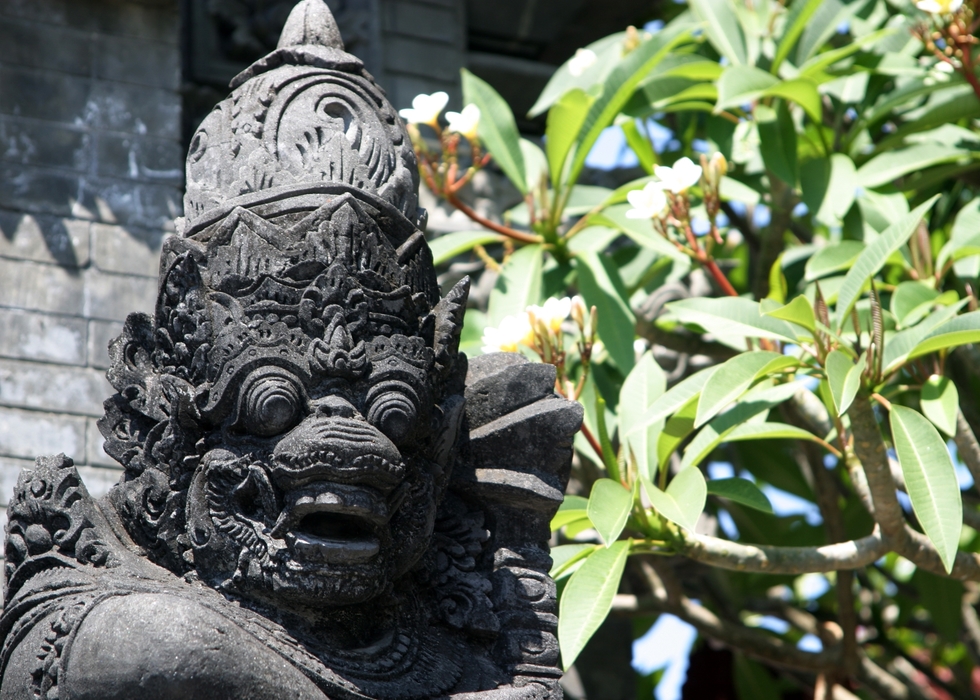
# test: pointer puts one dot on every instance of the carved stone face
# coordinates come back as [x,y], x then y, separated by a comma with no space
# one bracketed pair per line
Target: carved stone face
[322,492]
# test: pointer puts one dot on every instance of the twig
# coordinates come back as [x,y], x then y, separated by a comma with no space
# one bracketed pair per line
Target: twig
[853,554]
[493,226]
[967,447]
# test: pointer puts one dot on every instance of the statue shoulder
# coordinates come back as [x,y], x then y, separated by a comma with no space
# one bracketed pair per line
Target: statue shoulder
[162,646]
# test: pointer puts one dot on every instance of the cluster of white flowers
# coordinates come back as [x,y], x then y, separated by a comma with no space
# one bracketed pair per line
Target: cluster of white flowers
[939,7]
[652,200]
[519,329]
[426,109]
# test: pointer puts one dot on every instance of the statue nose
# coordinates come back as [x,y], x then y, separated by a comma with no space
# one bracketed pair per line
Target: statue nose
[334,407]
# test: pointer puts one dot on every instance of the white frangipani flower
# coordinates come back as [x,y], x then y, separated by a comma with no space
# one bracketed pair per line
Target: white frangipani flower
[512,331]
[680,177]
[552,314]
[582,61]
[425,109]
[465,122]
[939,7]
[648,202]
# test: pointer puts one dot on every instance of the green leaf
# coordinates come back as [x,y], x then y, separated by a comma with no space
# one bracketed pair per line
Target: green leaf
[518,285]
[601,286]
[800,13]
[733,316]
[643,386]
[535,166]
[891,165]
[814,67]
[587,597]
[565,120]
[777,135]
[723,29]
[769,431]
[640,230]
[609,509]
[965,233]
[911,301]
[748,407]
[733,190]
[740,491]
[564,555]
[899,346]
[833,258]
[961,330]
[497,128]
[684,499]
[619,85]
[873,258]
[740,84]
[941,403]
[449,245]
[679,395]
[828,188]
[803,92]
[571,509]
[640,144]
[730,381]
[608,51]
[931,480]
[844,378]
[822,25]
[798,311]
[680,425]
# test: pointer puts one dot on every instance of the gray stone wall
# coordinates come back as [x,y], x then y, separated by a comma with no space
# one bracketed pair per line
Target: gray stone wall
[91,169]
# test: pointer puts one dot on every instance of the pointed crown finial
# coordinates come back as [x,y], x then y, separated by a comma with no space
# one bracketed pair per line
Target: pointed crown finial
[311,24]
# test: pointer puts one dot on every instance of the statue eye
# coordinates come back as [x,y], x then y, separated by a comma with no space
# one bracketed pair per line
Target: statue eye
[270,405]
[392,410]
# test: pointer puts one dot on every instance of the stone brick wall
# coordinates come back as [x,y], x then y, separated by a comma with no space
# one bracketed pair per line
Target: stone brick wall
[91,169]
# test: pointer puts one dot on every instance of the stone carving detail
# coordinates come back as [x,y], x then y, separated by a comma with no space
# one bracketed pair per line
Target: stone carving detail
[322,497]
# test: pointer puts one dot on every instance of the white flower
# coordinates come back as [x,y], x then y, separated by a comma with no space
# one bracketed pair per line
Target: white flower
[944,67]
[582,61]
[425,109]
[939,7]
[648,202]
[465,122]
[552,313]
[513,330]
[678,178]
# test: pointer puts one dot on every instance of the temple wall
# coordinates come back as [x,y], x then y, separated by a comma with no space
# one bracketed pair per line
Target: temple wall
[91,172]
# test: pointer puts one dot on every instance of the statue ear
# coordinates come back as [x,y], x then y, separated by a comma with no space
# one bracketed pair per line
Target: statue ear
[449,324]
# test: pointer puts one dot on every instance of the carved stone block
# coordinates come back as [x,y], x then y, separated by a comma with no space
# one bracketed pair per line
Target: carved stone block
[322,497]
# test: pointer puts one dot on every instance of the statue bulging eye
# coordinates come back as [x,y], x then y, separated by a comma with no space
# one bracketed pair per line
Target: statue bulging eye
[391,409]
[271,405]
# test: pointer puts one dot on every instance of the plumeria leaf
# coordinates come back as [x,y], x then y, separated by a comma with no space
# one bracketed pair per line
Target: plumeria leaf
[678,396]
[645,384]
[497,128]
[931,480]
[683,501]
[899,346]
[572,508]
[730,381]
[798,311]
[873,258]
[833,258]
[961,330]
[565,555]
[680,425]
[587,598]
[740,491]
[564,123]
[602,287]
[723,29]
[731,316]
[518,286]
[609,509]
[844,378]
[911,301]
[941,403]
[449,245]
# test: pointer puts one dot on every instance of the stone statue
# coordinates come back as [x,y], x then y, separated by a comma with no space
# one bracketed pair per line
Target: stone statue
[322,498]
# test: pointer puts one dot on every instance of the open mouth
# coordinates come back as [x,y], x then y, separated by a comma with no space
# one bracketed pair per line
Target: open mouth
[332,523]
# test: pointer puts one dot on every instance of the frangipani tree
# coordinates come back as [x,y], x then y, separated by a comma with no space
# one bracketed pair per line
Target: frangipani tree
[821,176]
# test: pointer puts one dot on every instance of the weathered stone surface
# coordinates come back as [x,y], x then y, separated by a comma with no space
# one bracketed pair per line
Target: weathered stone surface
[61,389]
[100,334]
[34,142]
[33,286]
[139,159]
[317,513]
[156,21]
[127,250]
[46,239]
[26,433]
[28,335]
[110,297]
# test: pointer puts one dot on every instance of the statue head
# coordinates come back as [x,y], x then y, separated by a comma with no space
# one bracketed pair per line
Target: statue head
[287,417]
